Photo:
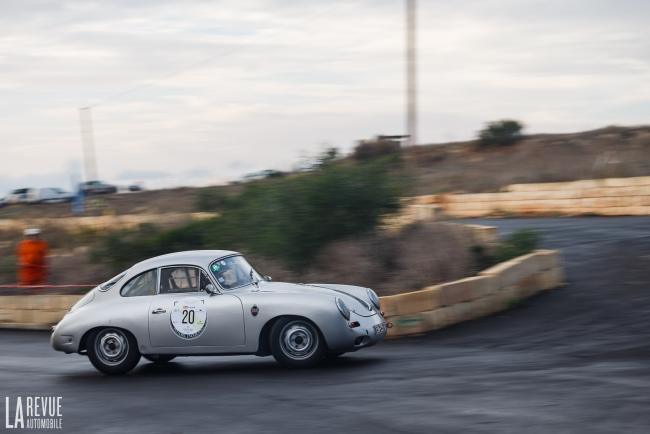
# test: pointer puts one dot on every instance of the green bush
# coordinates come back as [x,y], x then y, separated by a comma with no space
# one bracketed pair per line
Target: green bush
[370,149]
[288,218]
[518,243]
[210,199]
[501,133]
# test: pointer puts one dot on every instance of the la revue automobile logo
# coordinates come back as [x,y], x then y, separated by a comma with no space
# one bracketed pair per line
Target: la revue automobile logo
[33,412]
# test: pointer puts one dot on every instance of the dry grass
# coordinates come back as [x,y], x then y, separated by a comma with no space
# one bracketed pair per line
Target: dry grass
[389,262]
[604,153]
[415,257]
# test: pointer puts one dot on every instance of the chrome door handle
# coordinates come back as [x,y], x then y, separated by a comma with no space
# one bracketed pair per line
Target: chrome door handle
[159,310]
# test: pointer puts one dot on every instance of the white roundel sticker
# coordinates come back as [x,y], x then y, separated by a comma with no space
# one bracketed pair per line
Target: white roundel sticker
[189,317]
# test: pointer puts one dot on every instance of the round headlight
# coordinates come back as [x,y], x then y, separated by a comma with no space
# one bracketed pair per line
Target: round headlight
[373,297]
[343,308]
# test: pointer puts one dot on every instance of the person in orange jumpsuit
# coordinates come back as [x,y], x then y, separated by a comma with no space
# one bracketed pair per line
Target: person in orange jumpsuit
[31,253]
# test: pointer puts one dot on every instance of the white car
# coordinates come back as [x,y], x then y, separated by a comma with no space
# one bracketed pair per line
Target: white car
[18,195]
[213,302]
[38,195]
[48,195]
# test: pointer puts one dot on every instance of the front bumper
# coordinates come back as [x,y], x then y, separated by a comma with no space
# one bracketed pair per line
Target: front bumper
[361,332]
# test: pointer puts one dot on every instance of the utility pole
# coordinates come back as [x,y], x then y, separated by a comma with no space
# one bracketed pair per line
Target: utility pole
[411,74]
[88,143]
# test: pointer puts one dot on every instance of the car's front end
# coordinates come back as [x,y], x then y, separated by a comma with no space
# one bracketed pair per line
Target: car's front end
[365,323]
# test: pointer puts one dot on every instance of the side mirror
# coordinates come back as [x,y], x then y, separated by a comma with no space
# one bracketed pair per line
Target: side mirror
[268,278]
[210,289]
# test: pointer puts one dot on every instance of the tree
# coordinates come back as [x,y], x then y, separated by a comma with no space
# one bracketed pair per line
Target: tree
[501,133]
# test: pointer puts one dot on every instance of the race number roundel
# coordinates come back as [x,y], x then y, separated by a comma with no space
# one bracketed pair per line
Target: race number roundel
[189,317]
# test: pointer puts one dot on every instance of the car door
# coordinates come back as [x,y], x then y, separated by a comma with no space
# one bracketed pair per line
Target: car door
[182,314]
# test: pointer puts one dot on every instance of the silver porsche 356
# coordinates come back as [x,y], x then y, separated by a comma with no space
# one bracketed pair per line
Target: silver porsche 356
[212,302]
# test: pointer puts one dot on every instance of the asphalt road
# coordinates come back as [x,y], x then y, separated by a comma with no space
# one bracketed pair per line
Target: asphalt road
[576,359]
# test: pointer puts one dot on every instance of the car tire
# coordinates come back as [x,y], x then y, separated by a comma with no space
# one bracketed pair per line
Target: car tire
[297,343]
[113,351]
[159,358]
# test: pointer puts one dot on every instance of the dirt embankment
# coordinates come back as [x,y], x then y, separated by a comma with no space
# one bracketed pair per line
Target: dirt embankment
[612,152]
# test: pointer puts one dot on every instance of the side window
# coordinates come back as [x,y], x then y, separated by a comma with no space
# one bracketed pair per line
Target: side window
[180,279]
[142,284]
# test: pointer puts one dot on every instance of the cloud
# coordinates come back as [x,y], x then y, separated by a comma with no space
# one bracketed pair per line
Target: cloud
[212,90]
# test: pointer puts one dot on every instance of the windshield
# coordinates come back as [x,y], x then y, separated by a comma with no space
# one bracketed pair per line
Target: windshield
[110,283]
[233,272]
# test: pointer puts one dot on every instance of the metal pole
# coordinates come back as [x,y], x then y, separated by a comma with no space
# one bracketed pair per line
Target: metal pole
[411,73]
[88,143]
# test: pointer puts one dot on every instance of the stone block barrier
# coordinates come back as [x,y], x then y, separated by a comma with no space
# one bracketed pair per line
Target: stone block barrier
[611,196]
[493,290]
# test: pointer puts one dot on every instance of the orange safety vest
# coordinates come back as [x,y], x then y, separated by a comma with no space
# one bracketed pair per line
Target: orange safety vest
[31,262]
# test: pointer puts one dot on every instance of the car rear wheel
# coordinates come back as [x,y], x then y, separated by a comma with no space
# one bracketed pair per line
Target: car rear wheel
[296,343]
[113,351]
[159,358]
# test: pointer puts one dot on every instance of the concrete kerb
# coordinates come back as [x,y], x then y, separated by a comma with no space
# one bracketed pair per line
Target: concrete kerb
[493,290]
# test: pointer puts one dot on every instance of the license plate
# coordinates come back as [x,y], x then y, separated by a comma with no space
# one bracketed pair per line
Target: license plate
[380,329]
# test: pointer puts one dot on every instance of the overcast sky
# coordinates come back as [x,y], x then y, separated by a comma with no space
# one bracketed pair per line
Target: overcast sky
[199,92]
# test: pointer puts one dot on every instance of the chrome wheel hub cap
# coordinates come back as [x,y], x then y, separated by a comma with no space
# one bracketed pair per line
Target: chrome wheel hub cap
[112,347]
[298,340]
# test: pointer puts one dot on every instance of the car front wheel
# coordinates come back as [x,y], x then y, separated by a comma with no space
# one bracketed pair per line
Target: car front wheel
[113,351]
[297,343]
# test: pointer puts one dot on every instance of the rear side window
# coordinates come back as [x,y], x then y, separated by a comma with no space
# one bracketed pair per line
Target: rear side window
[142,284]
[179,279]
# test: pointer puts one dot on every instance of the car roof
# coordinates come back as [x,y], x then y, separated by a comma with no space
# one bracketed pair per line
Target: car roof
[191,257]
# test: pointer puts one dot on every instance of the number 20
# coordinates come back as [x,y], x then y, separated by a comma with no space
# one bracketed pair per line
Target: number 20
[188,316]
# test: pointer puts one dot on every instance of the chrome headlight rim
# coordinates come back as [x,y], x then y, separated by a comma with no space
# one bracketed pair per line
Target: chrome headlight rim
[343,308]
[374,298]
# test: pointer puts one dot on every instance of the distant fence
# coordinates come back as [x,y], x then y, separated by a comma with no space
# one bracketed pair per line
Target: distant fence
[612,196]
[44,289]
[123,221]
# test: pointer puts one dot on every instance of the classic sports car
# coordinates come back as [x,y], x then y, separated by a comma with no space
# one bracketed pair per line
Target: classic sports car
[212,302]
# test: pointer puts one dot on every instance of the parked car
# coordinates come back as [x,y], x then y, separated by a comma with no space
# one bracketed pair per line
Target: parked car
[213,302]
[48,195]
[18,195]
[97,187]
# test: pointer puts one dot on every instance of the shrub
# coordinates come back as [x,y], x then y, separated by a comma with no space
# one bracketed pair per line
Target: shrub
[210,199]
[287,218]
[516,244]
[370,149]
[500,133]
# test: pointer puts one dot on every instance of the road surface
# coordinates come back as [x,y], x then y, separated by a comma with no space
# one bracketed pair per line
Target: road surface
[576,359]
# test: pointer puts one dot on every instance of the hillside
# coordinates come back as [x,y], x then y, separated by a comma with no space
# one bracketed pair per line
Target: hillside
[447,167]
[462,166]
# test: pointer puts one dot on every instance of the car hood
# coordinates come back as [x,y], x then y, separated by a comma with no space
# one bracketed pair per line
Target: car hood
[355,297]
